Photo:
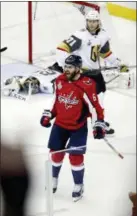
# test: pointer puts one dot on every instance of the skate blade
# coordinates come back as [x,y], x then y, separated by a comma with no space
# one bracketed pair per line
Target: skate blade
[54,190]
[76,199]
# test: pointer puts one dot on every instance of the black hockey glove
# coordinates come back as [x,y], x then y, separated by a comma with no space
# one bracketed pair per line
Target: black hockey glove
[45,119]
[99,129]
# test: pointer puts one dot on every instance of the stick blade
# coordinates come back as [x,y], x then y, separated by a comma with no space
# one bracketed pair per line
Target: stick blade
[121,156]
[3,49]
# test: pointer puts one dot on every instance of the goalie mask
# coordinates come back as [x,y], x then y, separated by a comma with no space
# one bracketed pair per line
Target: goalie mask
[30,84]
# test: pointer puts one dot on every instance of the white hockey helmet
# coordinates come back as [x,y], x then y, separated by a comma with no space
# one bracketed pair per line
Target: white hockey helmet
[93,15]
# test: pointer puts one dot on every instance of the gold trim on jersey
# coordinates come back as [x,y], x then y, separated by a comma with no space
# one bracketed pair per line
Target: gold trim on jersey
[63,46]
[105,55]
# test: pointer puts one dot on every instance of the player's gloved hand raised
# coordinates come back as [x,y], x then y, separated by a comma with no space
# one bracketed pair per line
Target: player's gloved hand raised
[45,119]
[123,68]
[99,129]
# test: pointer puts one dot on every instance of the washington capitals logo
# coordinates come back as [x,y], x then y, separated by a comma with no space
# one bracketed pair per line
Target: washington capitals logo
[68,100]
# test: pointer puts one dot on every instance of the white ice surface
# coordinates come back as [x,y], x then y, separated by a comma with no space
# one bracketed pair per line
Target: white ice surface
[108,179]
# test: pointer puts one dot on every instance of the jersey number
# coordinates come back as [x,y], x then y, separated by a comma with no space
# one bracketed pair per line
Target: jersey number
[94,97]
[45,72]
[71,41]
[94,53]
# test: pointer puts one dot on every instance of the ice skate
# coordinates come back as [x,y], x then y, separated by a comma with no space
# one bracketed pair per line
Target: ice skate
[109,131]
[55,184]
[78,191]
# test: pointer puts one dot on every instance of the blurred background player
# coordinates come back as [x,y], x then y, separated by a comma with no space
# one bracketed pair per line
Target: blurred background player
[90,43]
[14,181]
[74,96]
[14,178]
[133,198]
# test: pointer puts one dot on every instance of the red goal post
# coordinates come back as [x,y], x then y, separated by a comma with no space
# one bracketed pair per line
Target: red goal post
[82,6]
[87,4]
[30,33]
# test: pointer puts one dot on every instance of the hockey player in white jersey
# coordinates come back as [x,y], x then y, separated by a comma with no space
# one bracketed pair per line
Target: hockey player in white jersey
[90,43]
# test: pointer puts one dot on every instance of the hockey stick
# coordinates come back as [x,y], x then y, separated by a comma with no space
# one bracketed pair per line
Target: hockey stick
[84,146]
[96,71]
[80,148]
[3,49]
[116,67]
[118,154]
[112,79]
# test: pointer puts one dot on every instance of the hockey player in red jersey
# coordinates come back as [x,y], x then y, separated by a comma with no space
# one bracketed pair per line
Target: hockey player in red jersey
[75,94]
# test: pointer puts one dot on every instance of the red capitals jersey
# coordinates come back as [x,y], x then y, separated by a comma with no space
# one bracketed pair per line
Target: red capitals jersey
[73,101]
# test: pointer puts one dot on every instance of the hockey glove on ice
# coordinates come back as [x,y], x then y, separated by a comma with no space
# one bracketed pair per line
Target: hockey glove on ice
[123,68]
[99,130]
[45,119]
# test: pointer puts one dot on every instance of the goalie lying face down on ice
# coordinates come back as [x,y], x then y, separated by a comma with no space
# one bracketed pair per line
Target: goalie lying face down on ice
[39,81]
[75,94]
